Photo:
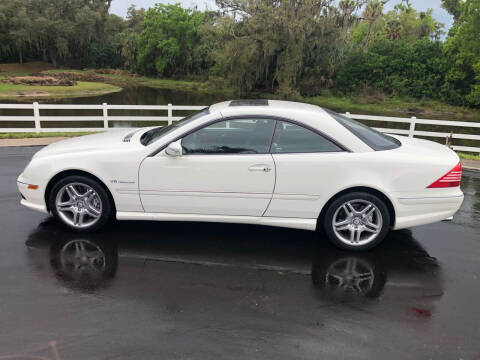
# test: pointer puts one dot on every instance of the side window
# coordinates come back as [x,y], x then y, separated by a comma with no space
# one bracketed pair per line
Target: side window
[237,136]
[291,138]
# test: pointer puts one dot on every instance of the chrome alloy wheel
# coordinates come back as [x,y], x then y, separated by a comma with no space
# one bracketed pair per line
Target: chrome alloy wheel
[357,222]
[78,205]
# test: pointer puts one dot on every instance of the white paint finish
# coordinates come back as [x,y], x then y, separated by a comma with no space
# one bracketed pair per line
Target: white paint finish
[34,206]
[104,156]
[421,213]
[207,184]
[409,168]
[222,188]
[294,223]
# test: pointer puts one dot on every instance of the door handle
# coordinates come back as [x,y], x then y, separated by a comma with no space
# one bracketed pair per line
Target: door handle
[261,167]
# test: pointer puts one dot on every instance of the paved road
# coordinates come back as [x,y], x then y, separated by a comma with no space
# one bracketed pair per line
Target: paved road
[203,291]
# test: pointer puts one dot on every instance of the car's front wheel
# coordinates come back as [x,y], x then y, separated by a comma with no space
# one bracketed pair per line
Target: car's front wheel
[357,221]
[80,203]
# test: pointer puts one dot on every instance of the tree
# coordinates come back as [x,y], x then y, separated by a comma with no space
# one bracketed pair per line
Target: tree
[373,11]
[168,39]
[462,48]
[454,7]
[266,43]
[129,48]
[66,28]
[129,37]
[135,18]
[17,29]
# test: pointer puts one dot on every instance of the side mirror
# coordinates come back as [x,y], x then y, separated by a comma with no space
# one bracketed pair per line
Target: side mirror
[174,149]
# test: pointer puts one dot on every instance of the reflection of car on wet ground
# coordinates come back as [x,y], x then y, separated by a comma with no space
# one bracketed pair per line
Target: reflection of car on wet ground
[398,272]
[264,162]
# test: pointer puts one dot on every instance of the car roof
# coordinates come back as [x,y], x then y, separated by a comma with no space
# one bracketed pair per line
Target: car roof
[255,104]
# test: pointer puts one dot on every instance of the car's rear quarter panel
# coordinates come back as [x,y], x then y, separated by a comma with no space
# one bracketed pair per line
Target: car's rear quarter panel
[304,184]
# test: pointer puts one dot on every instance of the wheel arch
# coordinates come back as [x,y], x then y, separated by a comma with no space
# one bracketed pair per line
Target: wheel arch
[366,189]
[72,172]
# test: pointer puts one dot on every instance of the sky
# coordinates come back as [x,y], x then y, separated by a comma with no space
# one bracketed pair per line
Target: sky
[119,7]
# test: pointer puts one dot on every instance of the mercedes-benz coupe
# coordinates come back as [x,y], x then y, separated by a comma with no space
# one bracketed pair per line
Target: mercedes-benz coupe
[264,162]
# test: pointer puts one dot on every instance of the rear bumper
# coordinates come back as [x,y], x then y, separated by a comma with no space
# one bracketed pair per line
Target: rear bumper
[425,210]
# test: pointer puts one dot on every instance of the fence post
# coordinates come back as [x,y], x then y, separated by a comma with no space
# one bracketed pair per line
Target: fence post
[411,131]
[170,111]
[36,117]
[105,115]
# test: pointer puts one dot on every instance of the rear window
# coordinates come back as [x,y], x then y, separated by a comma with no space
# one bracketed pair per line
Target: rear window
[373,138]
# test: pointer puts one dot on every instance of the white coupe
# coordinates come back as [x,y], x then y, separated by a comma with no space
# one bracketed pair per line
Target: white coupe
[260,162]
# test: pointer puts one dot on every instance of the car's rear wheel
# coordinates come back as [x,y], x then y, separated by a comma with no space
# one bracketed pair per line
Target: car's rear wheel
[357,221]
[80,203]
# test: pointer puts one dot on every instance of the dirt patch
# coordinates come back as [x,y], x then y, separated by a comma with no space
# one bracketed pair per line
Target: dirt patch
[116,72]
[77,76]
[42,80]
[61,78]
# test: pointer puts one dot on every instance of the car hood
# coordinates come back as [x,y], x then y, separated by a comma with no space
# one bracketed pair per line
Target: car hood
[110,140]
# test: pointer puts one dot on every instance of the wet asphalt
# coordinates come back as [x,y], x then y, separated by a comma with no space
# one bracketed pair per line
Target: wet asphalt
[145,290]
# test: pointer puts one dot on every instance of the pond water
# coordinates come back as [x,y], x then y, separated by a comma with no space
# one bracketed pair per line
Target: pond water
[148,96]
[128,96]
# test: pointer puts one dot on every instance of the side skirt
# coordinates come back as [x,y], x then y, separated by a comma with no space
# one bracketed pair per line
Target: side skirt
[295,223]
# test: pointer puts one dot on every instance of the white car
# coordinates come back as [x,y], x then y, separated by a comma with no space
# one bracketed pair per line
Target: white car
[263,162]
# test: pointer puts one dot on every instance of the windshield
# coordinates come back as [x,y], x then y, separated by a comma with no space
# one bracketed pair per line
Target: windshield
[154,134]
[373,138]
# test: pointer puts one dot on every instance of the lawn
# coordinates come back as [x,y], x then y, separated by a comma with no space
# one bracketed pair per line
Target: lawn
[21,135]
[468,156]
[83,88]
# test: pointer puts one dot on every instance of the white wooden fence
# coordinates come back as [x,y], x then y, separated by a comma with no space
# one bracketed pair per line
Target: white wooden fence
[105,118]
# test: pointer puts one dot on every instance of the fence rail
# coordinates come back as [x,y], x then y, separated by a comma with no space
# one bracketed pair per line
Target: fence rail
[104,118]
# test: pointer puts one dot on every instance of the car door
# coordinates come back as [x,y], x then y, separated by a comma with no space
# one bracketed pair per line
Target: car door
[308,165]
[225,169]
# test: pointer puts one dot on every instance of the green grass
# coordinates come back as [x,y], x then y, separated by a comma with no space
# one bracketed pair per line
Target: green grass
[21,135]
[468,156]
[391,106]
[83,88]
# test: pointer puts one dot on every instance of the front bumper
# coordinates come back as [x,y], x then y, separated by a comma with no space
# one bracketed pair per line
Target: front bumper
[32,199]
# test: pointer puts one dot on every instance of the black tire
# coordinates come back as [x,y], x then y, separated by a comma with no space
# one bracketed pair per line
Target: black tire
[354,196]
[106,204]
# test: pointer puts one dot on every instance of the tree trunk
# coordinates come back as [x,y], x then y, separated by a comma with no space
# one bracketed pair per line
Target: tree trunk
[367,40]
[20,56]
[53,56]
[44,55]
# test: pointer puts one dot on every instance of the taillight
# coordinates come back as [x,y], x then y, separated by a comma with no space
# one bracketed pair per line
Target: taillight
[450,179]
